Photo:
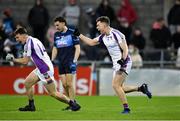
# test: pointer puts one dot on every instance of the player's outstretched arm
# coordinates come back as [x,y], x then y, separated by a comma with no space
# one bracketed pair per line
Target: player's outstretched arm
[23,60]
[88,40]
[85,39]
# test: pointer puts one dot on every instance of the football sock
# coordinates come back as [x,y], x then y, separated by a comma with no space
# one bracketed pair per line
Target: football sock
[125,105]
[31,102]
[71,102]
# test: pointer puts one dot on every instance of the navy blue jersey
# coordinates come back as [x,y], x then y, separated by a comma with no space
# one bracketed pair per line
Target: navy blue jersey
[65,42]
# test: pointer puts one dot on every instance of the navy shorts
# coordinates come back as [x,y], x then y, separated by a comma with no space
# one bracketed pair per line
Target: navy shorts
[64,68]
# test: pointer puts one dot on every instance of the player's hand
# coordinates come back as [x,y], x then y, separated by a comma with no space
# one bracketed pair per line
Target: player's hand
[121,62]
[9,57]
[76,32]
[73,67]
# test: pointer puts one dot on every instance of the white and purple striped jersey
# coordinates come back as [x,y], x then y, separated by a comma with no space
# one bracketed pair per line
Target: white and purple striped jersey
[112,42]
[34,48]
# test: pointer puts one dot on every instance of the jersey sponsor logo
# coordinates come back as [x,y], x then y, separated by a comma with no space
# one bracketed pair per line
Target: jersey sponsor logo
[61,43]
[64,41]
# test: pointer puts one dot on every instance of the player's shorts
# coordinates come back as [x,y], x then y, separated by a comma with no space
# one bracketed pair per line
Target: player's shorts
[125,69]
[65,69]
[42,77]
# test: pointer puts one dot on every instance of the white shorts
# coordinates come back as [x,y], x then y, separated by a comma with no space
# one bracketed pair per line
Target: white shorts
[41,76]
[117,67]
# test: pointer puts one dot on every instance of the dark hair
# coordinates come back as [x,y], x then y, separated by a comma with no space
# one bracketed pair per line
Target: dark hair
[60,19]
[20,30]
[104,19]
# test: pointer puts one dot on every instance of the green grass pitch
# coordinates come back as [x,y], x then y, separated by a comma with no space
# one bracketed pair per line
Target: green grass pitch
[93,108]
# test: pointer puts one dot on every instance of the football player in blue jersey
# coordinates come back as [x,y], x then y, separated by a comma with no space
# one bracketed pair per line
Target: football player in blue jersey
[67,50]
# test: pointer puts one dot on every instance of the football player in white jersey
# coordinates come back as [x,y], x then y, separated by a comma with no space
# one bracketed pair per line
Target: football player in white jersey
[35,51]
[115,42]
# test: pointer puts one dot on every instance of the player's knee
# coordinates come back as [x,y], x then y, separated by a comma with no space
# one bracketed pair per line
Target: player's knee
[114,86]
[64,85]
[69,84]
[27,84]
[123,88]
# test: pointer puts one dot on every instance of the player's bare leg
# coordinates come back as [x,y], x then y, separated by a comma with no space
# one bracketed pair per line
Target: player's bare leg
[64,83]
[50,86]
[66,90]
[30,80]
[117,84]
[143,88]
[70,86]
[128,89]
[67,81]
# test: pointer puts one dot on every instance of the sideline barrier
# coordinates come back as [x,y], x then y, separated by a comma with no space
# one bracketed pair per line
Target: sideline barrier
[162,82]
[12,81]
